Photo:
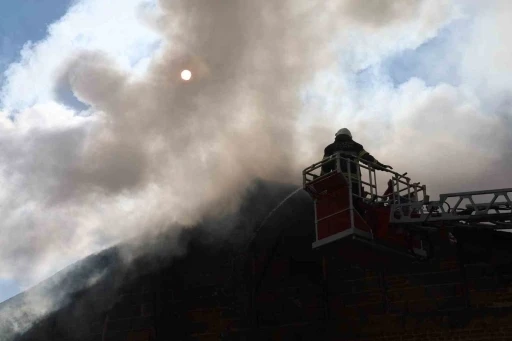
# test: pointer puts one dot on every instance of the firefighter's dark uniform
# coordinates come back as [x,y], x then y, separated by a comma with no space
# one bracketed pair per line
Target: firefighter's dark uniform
[344,143]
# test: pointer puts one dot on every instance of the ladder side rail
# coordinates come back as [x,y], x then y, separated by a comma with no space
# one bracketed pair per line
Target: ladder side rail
[469,196]
[498,204]
[451,217]
[487,191]
[490,217]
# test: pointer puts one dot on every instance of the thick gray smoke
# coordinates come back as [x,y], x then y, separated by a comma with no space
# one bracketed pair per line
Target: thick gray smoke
[155,150]
[199,143]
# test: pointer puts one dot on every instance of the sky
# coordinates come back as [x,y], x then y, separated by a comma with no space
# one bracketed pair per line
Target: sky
[22,22]
[101,140]
[25,21]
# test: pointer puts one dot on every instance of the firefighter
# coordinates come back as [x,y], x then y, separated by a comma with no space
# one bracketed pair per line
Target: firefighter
[344,143]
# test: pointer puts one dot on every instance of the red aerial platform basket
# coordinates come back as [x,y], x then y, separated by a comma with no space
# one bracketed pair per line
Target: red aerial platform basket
[367,236]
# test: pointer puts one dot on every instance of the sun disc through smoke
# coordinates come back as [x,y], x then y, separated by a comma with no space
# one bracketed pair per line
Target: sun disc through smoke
[186,75]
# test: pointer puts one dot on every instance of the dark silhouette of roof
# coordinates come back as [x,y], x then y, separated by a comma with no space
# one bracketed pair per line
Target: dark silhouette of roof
[261,283]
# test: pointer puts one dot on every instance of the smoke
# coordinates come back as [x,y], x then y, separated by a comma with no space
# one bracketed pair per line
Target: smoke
[153,150]
[201,142]
[29,313]
[271,83]
[376,14]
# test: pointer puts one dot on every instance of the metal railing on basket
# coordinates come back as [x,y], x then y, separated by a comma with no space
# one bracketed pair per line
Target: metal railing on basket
[369,178]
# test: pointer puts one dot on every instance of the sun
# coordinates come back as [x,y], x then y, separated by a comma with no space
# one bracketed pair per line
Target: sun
[186,75]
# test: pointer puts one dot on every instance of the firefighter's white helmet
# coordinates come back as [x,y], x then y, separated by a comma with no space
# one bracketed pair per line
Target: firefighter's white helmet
[343,131]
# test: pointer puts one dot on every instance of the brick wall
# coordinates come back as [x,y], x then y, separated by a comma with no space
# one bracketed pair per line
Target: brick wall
[296,293]
[193,300]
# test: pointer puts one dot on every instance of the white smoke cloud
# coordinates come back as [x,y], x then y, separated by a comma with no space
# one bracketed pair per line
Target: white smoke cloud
[452,137]
[153,150]
[82,183]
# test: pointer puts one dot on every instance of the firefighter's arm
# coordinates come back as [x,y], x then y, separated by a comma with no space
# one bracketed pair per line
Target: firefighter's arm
[365,156]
